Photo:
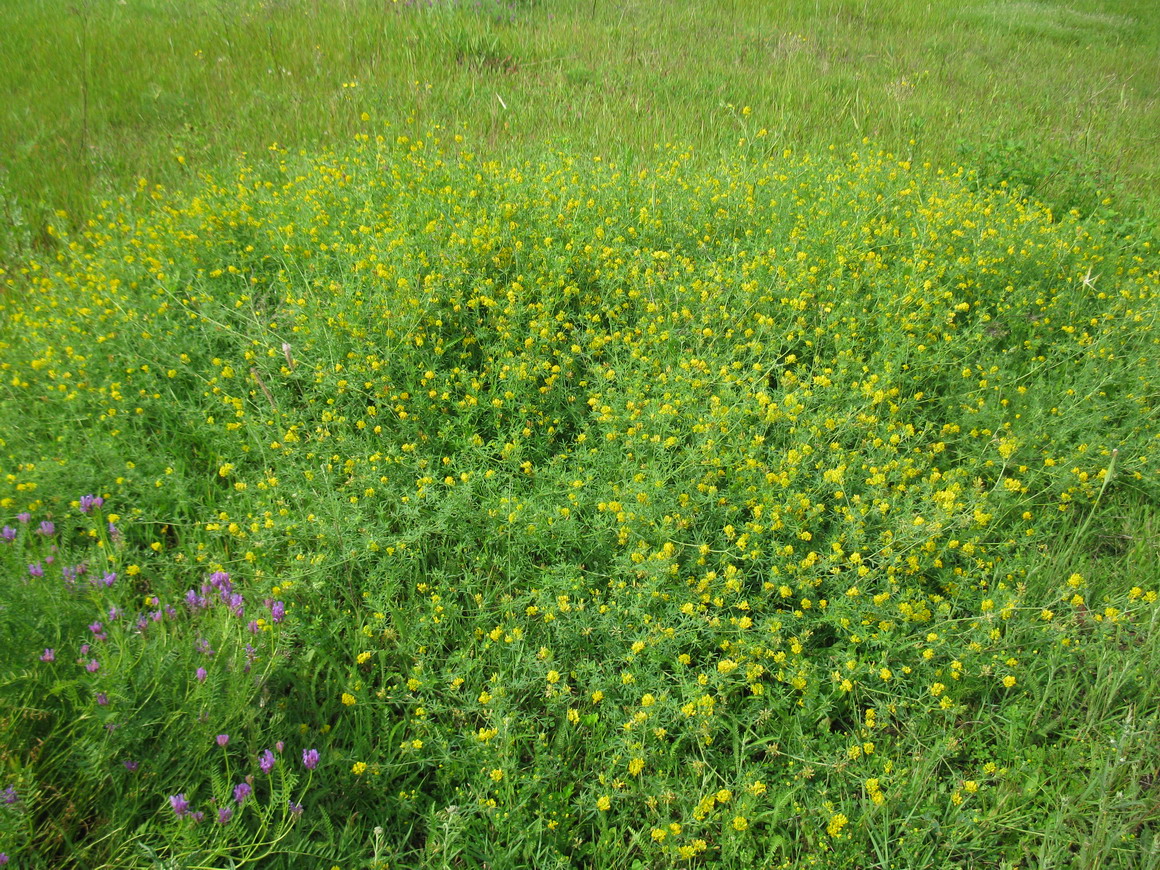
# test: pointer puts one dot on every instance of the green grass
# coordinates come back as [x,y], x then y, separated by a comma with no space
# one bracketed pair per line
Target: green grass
[607,471]
[1059,96]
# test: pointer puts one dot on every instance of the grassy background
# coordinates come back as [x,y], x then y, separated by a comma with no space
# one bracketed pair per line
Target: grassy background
[804,502]
[1062,97]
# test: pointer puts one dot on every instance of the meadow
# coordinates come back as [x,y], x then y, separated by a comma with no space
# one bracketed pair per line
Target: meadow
[564,434]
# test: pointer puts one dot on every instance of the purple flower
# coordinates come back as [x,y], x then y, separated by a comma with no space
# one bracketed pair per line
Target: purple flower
[237,604]
[8,534]
[36,569]
[109,579]
[277,611]
[93,666]
[266,761]
[253,626]
[85,649]
[131,766]
[197,817]
[170,611]
[142,622]
[203,647]
[49,655]
[98,631]
[180,805]
[202,673]
[46,528]
[88,502]
[9,795]
[295,809]
[3,858]
[24,518]
[102,699]
[114,613]
[242,791]
[114,533]
[279,746]
[224,815]
[223,739]
[310,758]
[220,580]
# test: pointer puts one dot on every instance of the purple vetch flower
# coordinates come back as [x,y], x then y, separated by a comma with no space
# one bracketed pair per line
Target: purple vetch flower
[98,631]
[279,746]
[89,502]
[3,858]
[180,805]
[46,528]
[170,611]
[85,649]
[242,791]
[253,627]
[237,604]
[9,795]
[221,581]
[224,815]
[24,518]
[295,809]
[194,601]
[201,674]
[93,666]
[114,613]
[197,817]
[131,766]
[8,534]
[142,622]
[223,739]
[114,534]
[108,580]
[203,647]
[102,699]
[310,758]
[251,657]
[49,655]
[36,569]
[266,761]
[277,611]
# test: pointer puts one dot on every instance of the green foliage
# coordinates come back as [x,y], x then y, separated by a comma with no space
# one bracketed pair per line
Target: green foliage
[749,514]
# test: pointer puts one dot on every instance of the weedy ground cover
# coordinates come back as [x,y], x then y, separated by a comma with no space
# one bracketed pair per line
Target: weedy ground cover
[447,498]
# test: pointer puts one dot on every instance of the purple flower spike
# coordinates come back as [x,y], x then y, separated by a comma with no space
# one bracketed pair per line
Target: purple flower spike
[180,805]
[267,761]
[9,795]
[202,673]
[8,534]
[131,766]
[102,699]
[279,746]
[224,815]
[197,817]
[93,666]
[242,791]
[114,533]
[109,579]
[277,611]
[310,758]
[223,740]
[98,631]
[49,655]
[295,809]
[25,518]
[89,502]
[46,528]
[36,569]
[3,858]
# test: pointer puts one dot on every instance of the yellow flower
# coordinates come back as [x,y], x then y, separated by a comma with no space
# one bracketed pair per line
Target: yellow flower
[1008,681]
[603,803]
[348,699]
[496,774]
[636,766]
[837,822]
[553,676]
[363,658]
[359,768]
[740,823]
